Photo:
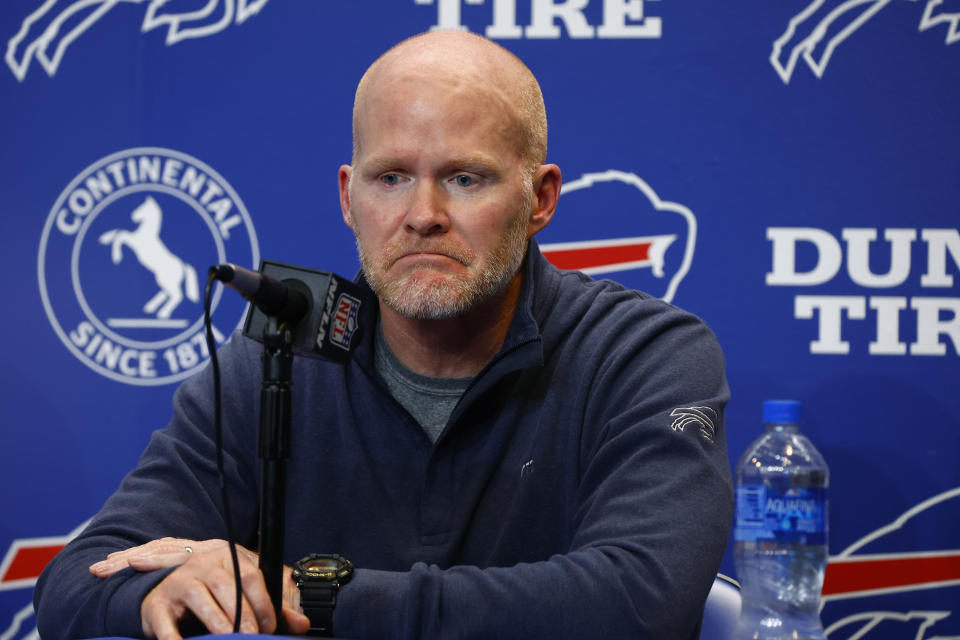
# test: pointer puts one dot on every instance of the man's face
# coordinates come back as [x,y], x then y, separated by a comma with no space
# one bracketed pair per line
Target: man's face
[439,196]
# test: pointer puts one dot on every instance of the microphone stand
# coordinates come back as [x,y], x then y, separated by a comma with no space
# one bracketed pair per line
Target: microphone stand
[281,312]
[274,450]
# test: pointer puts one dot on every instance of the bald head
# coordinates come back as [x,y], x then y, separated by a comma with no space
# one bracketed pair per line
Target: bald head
[459,59]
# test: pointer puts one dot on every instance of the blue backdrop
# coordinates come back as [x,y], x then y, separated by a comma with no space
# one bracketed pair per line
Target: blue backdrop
[787,169]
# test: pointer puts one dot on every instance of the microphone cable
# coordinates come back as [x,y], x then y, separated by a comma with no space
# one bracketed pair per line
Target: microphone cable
[218,429]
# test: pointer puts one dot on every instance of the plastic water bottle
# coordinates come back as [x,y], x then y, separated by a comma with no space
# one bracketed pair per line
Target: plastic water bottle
[781,530]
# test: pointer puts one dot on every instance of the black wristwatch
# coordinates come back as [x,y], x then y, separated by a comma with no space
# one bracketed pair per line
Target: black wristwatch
[319,578]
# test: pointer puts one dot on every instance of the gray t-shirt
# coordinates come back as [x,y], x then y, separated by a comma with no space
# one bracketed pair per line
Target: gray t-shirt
[429,400]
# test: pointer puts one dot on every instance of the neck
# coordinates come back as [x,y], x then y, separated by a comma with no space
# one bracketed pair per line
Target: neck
[456,347]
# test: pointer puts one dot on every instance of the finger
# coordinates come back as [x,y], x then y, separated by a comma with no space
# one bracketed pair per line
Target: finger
[160,545]
[106,568]
[224,590]
[114,562]
[164,628]
[294,621]
[158,618]
[156,554]
[256,596]
[160,560]
[199,597]
[291,592]
[291,614]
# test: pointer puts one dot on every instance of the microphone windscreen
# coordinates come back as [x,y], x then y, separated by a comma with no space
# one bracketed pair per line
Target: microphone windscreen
[333,327]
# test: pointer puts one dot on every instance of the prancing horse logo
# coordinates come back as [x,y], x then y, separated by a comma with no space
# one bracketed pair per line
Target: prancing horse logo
[170,271]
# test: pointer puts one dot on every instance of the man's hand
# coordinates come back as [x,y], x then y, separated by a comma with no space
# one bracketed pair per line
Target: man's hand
[204,585]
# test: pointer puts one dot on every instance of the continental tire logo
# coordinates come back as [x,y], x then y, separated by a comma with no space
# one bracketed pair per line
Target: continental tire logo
[123,259]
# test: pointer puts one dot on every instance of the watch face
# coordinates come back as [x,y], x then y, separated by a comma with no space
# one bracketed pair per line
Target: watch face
[324,567]
[321,565]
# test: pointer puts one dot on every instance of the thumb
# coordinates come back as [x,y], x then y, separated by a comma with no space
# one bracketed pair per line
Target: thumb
[295,622]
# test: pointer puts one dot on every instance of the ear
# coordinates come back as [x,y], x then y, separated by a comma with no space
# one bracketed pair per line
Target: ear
[343,183]
[546,187]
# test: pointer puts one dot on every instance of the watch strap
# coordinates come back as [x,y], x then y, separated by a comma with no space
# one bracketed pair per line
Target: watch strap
[318,602]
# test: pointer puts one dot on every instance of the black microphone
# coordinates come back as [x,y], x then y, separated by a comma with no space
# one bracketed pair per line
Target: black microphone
[322,308]
[288,300]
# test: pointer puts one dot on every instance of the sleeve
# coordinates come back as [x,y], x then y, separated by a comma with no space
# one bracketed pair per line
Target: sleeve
[173,491]
[650,517]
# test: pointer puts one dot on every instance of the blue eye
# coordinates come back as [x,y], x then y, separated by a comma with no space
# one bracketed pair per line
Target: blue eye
[390,179]
[464,180]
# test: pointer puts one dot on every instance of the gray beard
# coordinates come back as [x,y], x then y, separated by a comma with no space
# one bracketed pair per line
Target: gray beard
[450,298]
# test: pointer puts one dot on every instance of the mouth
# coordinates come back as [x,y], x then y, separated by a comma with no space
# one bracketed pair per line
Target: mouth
[427,257]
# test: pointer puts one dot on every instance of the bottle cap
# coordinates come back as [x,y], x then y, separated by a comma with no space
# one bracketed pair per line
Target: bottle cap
[781,411]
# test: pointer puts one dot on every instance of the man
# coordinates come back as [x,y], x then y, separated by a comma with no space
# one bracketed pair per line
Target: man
[505,457]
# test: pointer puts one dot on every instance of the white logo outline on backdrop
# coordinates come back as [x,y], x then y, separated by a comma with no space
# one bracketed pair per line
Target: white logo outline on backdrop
[817,35]
[237,11]
[871,619]
[612,175]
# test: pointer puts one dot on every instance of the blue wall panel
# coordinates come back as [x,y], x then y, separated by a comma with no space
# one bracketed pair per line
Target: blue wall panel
[790,169]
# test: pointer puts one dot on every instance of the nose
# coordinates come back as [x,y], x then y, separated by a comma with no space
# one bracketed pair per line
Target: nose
[427,214]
